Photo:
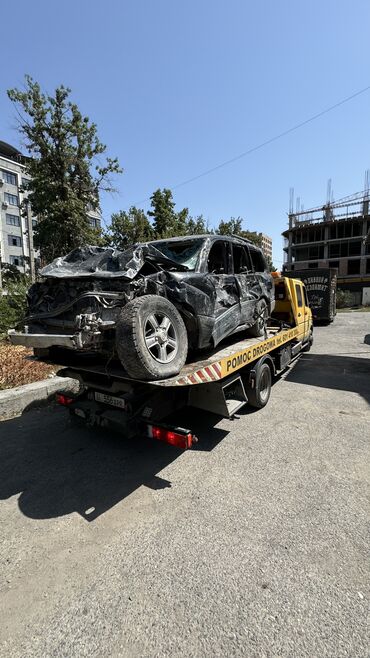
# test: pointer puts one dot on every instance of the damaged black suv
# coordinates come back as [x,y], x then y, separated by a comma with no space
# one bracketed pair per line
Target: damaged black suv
[152,302]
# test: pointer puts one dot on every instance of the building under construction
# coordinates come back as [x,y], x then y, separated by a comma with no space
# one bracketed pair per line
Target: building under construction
[333,235]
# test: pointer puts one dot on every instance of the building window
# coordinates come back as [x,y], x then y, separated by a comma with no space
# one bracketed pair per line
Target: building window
[353,266]
[14,241]
[354,248]
[25,183]
[334,264]
[313,266]
[12,220]
[11,199]
[16,260]
[368,266]
[9,177]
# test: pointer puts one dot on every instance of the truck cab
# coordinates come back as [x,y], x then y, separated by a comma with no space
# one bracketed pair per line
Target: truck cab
[292,307]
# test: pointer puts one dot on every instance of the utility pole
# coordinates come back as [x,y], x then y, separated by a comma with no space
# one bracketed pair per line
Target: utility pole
[30,241]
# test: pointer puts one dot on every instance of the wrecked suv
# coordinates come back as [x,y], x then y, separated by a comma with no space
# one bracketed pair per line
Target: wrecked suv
[151,303]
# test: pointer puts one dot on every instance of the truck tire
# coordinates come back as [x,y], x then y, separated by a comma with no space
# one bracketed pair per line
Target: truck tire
[259,394]
[309,343]
[262,312]
[151,338]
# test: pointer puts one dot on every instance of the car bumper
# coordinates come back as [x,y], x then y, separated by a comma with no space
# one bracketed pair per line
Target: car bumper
[42,340]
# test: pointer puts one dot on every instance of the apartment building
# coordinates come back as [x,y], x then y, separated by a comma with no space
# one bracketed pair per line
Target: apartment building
[16,231]
[266,244]
[332,236]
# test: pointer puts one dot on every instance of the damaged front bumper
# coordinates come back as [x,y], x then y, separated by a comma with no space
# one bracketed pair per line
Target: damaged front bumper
[89,336]
[42,340]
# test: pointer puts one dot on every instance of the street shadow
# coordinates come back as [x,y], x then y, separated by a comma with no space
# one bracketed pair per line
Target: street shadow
[338,372]
[57,468]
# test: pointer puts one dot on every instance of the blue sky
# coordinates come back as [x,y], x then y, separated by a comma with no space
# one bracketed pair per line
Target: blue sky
[179,87]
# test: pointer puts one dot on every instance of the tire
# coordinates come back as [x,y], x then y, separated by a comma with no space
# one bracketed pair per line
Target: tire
[151,338]
[309,343]
[262,312]
[259,394]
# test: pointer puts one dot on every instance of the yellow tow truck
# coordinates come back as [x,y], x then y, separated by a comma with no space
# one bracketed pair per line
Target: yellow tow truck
[222,381]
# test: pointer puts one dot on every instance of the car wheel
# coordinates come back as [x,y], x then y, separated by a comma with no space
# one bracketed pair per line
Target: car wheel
[262,313]
[151,338]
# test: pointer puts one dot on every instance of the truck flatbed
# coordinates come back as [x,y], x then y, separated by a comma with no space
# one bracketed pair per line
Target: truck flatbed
[229,357]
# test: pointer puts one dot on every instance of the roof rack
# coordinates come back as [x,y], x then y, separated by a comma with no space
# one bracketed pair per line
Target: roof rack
[241,238]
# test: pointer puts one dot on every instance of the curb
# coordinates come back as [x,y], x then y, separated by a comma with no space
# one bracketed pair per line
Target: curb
[15,401]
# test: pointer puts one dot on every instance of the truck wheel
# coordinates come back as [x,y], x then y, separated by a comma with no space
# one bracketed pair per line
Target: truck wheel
[151,338]
[262,312]
[259,394]
[309,343]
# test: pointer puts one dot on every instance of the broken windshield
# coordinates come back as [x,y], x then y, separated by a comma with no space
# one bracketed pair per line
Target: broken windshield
[185,253]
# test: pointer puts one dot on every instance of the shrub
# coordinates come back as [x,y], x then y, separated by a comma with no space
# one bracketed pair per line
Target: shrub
[13,305]
[344,298]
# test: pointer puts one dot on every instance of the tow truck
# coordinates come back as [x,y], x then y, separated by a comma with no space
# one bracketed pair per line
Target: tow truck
[220,382]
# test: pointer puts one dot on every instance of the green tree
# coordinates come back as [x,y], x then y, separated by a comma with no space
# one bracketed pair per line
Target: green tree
[128,227]
[66,176]
[270,264]
[196,226]
[13,304]
[235,227]
[167,223]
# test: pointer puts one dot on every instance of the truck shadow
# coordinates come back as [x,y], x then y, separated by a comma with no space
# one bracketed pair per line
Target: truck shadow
[57,468]
[335,371]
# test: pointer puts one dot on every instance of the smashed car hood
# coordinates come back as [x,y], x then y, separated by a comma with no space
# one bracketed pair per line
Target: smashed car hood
[102,262]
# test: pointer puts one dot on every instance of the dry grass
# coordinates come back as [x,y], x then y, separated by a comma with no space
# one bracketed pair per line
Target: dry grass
[18,367]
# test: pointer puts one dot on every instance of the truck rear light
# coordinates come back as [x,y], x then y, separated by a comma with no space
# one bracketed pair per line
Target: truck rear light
[181,439]
[64,399]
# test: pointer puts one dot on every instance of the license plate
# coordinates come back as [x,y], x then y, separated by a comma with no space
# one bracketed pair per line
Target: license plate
[110,399]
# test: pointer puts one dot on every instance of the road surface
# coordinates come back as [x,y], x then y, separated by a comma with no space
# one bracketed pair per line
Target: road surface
[253,544]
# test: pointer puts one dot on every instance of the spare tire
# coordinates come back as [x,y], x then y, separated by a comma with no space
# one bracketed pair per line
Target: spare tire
[151,338]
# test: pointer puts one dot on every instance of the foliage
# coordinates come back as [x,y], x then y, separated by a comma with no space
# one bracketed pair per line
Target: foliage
[344,298]
[10,273]
[234,227]
[128,227]
[13,304]
[65,178]
[270,264]
[167,223]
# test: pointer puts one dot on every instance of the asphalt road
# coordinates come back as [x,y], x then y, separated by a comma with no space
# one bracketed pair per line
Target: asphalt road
[253,544]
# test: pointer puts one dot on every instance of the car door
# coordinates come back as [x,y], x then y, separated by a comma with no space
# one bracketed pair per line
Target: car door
[246,279]
[302,312]
[227,314]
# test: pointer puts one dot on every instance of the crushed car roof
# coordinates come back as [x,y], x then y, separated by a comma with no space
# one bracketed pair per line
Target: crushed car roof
[107,262]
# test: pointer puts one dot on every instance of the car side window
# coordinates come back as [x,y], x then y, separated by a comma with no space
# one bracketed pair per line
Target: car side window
[242,261]
[306,303]
[258,260]
[299,294]
[217,258]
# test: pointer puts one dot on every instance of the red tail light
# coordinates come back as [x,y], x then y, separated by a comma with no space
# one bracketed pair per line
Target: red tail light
[63,399]
[181,440]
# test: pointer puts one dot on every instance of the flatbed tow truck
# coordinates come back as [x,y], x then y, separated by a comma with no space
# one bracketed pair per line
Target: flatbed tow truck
[221,382]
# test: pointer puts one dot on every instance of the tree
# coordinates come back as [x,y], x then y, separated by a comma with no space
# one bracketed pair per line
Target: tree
[270,264]
[196,226]
[65,177]
[234,227]
[167,223]
[129,227]
[11,274]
